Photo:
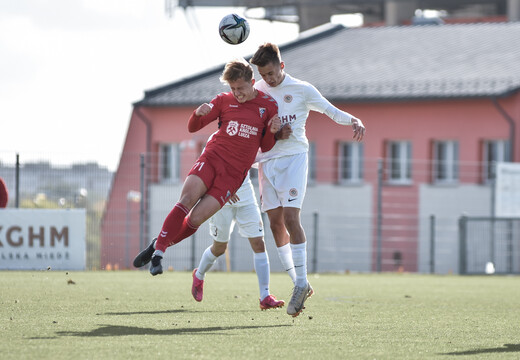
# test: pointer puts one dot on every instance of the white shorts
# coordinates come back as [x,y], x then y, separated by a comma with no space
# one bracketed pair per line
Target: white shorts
[283,181]
[245,213]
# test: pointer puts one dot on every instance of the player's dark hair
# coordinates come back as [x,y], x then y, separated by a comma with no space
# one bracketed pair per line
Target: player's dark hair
[237,69]
[266,54]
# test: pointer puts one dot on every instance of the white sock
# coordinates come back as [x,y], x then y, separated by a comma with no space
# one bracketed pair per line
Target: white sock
[158,253]
[262,269]
[299,254]
[285,255]
[206,262]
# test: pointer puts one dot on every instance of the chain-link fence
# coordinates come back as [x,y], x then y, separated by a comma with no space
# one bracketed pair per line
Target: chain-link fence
[376,224]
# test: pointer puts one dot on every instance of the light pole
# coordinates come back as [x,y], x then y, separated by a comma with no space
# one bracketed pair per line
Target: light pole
[131,197]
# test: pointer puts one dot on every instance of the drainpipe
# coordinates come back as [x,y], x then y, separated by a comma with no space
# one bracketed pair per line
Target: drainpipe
[511,123]
[148,125]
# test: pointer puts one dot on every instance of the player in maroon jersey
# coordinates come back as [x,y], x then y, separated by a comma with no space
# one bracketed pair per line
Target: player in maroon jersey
[248,120]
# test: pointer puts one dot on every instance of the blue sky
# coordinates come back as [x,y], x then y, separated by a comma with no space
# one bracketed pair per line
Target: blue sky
[71,69]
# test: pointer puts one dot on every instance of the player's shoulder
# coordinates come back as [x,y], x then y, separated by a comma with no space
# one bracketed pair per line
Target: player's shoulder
[224,98]
[264,97]
[296,82]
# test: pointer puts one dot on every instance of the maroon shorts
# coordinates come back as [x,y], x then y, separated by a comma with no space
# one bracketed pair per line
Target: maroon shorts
[221,180]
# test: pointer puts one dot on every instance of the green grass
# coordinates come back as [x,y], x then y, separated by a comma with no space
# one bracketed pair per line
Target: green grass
[131,315]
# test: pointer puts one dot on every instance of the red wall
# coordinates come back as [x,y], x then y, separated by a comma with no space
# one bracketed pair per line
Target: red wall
[421,122]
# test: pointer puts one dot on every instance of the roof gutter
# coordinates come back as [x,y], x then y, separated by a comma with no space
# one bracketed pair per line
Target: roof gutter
[512,127]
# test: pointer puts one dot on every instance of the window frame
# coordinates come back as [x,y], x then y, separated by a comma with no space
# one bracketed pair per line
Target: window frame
[350,168]
[403,162]
[169,161]
[449,163]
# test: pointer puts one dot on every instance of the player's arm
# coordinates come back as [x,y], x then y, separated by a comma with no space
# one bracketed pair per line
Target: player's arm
[317,102]
[202,116]
[268,135]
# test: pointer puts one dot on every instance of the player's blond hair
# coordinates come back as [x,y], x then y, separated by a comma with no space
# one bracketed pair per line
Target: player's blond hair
[266,54]
[237,69]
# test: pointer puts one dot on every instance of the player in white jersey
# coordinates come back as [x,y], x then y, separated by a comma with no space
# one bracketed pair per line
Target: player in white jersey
[242,209]
[283,169]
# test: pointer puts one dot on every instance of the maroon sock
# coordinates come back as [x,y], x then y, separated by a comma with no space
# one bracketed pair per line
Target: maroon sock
[186,230]
[171,227]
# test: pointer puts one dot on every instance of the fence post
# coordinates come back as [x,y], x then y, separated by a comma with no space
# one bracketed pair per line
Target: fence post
[142,240]
[463,221]
[432,244]
[315,245]
[17,182]
[509,246]
[379,212]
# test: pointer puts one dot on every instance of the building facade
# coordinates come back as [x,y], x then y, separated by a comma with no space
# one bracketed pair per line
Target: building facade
[441,105]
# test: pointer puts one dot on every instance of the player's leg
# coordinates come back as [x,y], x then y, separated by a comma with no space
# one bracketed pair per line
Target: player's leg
[250,225]
[302,289]
[207,260]
[281,238]
[192,190]
[262,269]
[179,225]
[220,226]
[271,204]
[291,187]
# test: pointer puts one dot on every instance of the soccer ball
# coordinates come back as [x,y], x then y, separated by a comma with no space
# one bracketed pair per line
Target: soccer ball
[233,29]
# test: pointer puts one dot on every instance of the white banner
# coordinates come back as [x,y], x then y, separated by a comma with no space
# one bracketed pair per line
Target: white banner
[507,190]
[40,239]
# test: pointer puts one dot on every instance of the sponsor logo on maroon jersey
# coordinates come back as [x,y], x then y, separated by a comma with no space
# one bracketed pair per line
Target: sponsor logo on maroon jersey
[232,128]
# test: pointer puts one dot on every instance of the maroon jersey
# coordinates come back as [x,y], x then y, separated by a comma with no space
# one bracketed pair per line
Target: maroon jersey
[242,128]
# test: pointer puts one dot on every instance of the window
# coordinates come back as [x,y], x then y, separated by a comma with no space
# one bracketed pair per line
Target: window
[311,176]
[445,161]
[169,162]
[493,151]
[399,162]
[350,162]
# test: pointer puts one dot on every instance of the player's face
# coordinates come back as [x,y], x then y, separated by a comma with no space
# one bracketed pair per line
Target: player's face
[272,73]
[242,90]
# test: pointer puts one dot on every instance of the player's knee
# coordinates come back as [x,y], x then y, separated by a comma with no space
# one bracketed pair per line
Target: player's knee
[218,248]
[257,244]
[277,227]
[293,224]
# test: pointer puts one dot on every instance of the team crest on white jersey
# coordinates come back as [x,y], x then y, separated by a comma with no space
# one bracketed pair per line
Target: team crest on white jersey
[262,112]
[287,98]
[232,128]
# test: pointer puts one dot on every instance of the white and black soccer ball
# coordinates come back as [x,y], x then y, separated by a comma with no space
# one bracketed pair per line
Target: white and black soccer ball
[233,29]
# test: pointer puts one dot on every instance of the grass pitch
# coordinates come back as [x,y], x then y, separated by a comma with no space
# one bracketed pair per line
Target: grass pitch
[131,315]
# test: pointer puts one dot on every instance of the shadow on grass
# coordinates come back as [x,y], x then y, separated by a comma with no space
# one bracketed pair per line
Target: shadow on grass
[117,330]
[145,312]
[177,311]
[507,348]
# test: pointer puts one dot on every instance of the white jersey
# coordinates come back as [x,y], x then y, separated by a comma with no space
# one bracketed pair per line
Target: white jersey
[295,100]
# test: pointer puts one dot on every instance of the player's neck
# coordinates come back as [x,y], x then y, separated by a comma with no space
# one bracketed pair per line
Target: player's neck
[255,93]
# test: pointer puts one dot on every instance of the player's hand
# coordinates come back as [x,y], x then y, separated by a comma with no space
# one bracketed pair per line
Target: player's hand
[284,132]
[274,124]
[233,199]
[202,110]
[358,128]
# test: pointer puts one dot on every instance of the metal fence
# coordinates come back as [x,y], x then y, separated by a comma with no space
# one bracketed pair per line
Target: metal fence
[373,225]
[489,245]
